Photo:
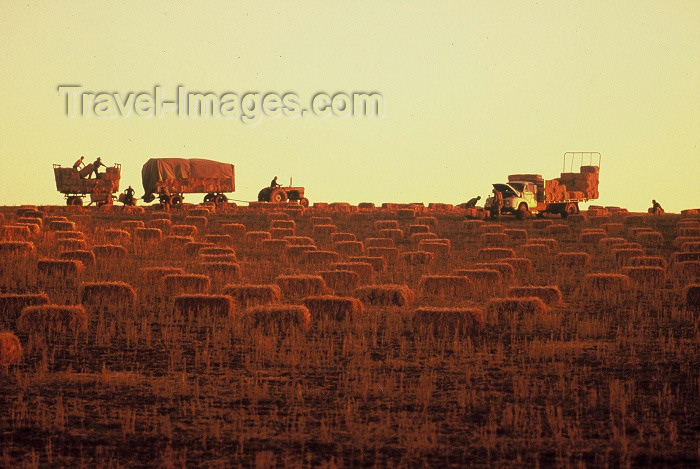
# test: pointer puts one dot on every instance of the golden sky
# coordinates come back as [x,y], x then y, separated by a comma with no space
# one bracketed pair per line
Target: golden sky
[472,91]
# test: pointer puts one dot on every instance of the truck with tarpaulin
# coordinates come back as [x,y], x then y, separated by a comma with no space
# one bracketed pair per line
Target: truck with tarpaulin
[174,177]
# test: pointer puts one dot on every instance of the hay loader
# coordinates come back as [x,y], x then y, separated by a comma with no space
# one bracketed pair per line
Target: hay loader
[75,185]
[526,194]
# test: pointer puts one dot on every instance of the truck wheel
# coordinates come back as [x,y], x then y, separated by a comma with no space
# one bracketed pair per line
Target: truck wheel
[522,211]
[221,199]
[304,202]
[209,198]
[175,200]
[278,195]
[74,201]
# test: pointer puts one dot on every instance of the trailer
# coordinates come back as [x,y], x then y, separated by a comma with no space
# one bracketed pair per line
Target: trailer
[75,185]
[526,194]
[172,178]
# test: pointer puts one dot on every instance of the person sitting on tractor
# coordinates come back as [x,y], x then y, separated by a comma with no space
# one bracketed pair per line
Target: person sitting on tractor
[128,196]
[472,202]
[656,208]
[79,164]
[95,166]
[274,183]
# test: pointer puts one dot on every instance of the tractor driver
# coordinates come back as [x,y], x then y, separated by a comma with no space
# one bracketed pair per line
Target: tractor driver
[274,183]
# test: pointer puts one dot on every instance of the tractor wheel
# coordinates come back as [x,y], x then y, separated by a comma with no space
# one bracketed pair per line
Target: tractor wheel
[221,199]
[209,198]
[570,209]
[264,194]
[175,200]
[278,195]
[522,211]
[74,200]
[304,202]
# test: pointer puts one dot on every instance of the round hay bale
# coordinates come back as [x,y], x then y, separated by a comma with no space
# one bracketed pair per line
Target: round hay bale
[10,349]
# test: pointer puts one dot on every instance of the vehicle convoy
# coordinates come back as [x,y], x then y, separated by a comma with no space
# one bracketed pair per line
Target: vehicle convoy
[174,177]
[526,194]
[283,194]
[75,185]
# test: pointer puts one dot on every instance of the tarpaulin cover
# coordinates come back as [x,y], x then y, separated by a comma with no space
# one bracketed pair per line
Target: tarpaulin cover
[181,170]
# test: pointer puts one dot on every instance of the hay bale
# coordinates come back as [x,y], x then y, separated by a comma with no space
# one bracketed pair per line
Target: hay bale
[179,284]
[646,261]
[349,248]
[506,310]
[87,258]
[416,258]
[152,276]
[516,234]
[254,295]
[11,304]
[131,225]
[184,230]
[163,224]
[283,223]
[534,251]
[441,247]
[176,244]
[416,238]
[506,270]
[441,286]
[235,230]
[296,252]
[366,206]
[255,238]
[68,235]
[300,241]
[192,249]
[212,250]
[321,221]
[276,318]
[689,231]
[204,305]
[650,238]
[364,270]
[199,221]
[323,231]
[494,239]
[71,245]
[379,225]
[522,265]
[687,270]
[274,247]
[611,242]
[296,287]
[319,257]
[52,319]
[418,229]
[10,349]
[16,249]
[646,276]
[385,295]
[113,236]
[109,251]
[379,243]
[691,297]
[148,235]
[635,232]
[15,232]
[338,308]
[390,254]
[492,254]
[483,278]
[378,263]
[107,295]
[550,294]
[220,270]
[573,260]
[621,255]
[61,225]
[472,226]
[281,233]
[341,280]
[541,224]
[59,269]
[551,242]
[342,236]
[592,236]
[491,228]
[448,322]
[677,257]
[558,230]
[391,233]
[613,228]
[605,288]
[691,246]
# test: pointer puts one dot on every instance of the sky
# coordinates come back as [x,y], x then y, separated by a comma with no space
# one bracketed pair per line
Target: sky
[471,92]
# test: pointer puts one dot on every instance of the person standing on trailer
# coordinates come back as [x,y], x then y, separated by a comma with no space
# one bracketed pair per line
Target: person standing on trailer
[79,163]
[96,165]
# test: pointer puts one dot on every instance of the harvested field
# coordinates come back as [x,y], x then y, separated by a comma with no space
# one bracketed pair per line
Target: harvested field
[395,336]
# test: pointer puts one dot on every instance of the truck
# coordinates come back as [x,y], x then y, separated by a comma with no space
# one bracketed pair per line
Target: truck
[76,184]
[172,178]
[526,194]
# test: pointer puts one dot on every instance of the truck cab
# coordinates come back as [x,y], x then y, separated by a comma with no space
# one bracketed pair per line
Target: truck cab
[519,197]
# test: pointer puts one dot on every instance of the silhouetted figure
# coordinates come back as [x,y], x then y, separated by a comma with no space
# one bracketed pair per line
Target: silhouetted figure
[274,183]
[472,202]
[95,166]
[128,196]
[656,208]
[79,163]
[497,204]
[164,199]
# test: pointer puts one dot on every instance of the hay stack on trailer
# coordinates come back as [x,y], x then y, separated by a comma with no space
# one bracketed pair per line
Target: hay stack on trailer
[178,176]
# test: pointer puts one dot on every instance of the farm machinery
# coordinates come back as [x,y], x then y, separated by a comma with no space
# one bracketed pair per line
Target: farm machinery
[171,178]
[75,185]
[526,194]
[283,194]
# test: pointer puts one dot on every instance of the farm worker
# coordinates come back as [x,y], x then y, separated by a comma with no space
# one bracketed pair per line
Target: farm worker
[497,203]
[129,196]
[96,165]
[472,202]
[79,164]
[274,183]
[164,198]
[656,208]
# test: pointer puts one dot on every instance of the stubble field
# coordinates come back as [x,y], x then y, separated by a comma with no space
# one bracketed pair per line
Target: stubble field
[339,336]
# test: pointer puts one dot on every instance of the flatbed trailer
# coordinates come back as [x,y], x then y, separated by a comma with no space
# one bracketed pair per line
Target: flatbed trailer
[75,185]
